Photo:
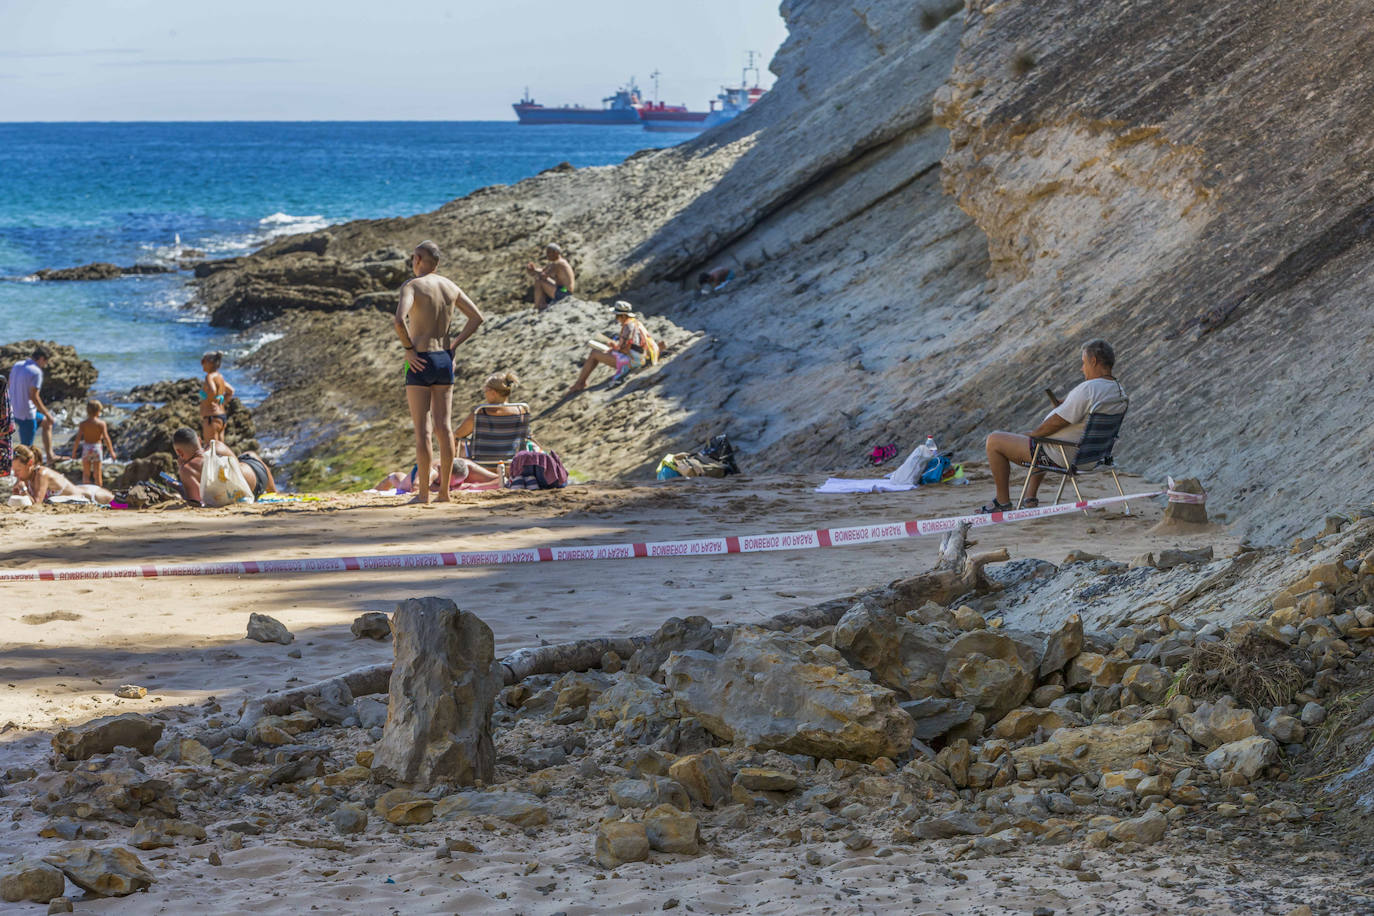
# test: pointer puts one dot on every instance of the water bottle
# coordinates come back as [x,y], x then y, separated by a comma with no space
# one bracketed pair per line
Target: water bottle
[930,444]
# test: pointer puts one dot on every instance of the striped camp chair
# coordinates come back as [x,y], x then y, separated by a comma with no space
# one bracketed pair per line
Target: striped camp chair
[497,437]
[1094,453]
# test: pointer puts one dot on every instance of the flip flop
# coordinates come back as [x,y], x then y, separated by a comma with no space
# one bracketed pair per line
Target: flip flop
[1031,503]
[995,507]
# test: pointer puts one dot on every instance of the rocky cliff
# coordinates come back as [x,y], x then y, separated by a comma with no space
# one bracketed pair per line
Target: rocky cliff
[928,214]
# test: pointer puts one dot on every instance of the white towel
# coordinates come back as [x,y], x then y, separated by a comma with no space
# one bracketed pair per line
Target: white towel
[846,485]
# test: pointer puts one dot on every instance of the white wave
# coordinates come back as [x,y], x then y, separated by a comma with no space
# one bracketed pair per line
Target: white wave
[288,224]
[258,344]
[29,278]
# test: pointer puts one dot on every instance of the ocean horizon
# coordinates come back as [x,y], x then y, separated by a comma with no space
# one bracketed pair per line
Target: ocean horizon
[139,192]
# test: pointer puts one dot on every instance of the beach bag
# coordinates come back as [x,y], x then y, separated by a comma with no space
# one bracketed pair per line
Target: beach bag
[720,450]
[537,471]
[221,481]
[651,350]
[935,469]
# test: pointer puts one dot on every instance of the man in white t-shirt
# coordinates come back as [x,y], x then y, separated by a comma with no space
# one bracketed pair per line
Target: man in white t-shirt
[30,413]
[1099,392]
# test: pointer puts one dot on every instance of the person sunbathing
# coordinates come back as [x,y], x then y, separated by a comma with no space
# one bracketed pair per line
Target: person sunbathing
[624,354]
[191,458]
[554,281]
[42,483]
[463,471]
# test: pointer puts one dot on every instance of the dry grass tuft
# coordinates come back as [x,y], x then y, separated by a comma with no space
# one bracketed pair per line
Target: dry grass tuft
[1256,672]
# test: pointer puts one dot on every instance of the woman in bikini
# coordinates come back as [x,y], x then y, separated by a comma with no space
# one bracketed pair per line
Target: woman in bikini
[43,483]
[215,393]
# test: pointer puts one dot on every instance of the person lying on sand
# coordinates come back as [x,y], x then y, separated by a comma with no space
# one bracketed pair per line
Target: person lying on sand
[92,438]
[1099,392]
[423,315]
[553,281]
[713,281]
[191,458]
[214,393]
[626,353]
[462,471]
[41,483]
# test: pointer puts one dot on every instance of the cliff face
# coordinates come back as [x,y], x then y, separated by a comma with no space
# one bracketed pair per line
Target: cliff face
[929,213]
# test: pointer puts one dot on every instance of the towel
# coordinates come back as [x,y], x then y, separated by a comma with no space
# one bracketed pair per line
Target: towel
[880,485]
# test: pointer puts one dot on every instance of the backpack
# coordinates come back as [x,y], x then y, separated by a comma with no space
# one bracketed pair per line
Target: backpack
[530,470]
[719,449]
[651,349]
[936,469]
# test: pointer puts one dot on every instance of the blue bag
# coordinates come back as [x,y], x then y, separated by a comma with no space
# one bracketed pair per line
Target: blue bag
[935,469]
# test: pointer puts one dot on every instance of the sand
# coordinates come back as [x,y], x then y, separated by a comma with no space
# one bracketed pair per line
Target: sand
[67,646]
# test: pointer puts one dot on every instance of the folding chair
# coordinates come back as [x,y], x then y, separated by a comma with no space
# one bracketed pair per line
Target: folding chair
[497,437]
[1094,452]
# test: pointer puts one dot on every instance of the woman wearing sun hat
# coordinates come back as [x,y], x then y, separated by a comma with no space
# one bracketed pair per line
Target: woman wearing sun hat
[629,350]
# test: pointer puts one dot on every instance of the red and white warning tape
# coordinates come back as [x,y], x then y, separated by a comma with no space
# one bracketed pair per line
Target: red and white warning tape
[700,547]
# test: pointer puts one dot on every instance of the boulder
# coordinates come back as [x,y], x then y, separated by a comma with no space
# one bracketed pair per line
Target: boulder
[1214,724]
[675,634]
[68,376]
[935,716]
[1104,747]
[443,685]
[993,671]
[649,792]
[1188,513]
[109,871]
[1247,757]
[771,691]
[1147,682]
[1062,645]
[100,736]
[516,807]
[349,818]
[254,302]
[411,812]
[32,880]
[618,842]
[373,625]
[1091,669]
[313,243]
[670,830]
[902,656]
[263,628]
[1146,829]
[98,270]
[1285,729]
[147,432]
[765,779]
[704,777]
[633,706]
[1022,723]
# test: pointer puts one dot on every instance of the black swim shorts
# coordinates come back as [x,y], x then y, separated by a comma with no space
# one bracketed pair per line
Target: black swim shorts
[438,370]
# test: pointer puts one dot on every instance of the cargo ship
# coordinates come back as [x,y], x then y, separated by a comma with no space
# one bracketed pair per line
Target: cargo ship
[731,99]
[658,116]
[620,108]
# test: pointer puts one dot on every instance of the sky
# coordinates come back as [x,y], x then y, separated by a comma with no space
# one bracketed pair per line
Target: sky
[190,60]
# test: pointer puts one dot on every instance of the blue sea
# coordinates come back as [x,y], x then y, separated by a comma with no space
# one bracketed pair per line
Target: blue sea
[130,192]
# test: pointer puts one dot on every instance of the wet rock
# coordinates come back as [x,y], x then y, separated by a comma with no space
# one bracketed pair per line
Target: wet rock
[670,830]
[131,692]
[675,634]
[991,670]
[268,629]
[1061,646]
[372,625]
[516,807]
[1146,829]
[108,871]
[349,818]
[443,687]
[763,779]
[704,777]
[775,692]
[254,301]
[901,655]
[618,842]
[1246,758]
[1218,723]
[935,716]
[98,270]
[32,880]
[650,792]
[101,736]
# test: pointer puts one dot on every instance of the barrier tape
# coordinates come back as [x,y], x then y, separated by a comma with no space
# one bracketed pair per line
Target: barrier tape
[699,547]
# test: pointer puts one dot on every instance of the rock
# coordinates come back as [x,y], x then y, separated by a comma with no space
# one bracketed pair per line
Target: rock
[966,618]
[516,807]
[947,826]
[1246,758]
[60,905]
[611,663]
[268,629]
[901,655]
[101,736]
[991,670]
[1218,723]
[634,706]
[373,625]
[1146,829]
[650,792]
[671,830]
[147,834]
[314,243]
[68,376]
[1022,723]
[1045,695]
[618,842]
[1313,714]
[1285,729]
[443,687]
[417,811]
[147,433]
[32,880]
[109,871]
[675,634]
[772,691]
[131,692]
[704,777]
[1061,646]
[371,712]
[762,779]
[935,716]
[1168,559]
[255,301]
[1147,682]
[349,818]
[99,270]
[1090,669]
[1104,747]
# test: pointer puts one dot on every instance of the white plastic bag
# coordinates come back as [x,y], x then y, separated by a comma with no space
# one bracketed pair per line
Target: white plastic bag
[221,481]
[910,470]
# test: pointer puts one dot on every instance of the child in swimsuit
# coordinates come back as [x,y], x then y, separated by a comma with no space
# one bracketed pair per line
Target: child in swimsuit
[92,438]
[215,393]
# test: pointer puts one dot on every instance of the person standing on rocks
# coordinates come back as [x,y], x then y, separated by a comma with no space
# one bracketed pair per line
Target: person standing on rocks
[554,281]
[423,316]
[1099,392]
[30,413]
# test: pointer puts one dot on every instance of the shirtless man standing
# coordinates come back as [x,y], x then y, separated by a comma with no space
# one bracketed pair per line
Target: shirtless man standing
[555,281]
[422,323]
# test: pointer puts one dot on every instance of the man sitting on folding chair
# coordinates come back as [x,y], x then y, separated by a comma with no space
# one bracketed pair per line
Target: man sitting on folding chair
[1098,402]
